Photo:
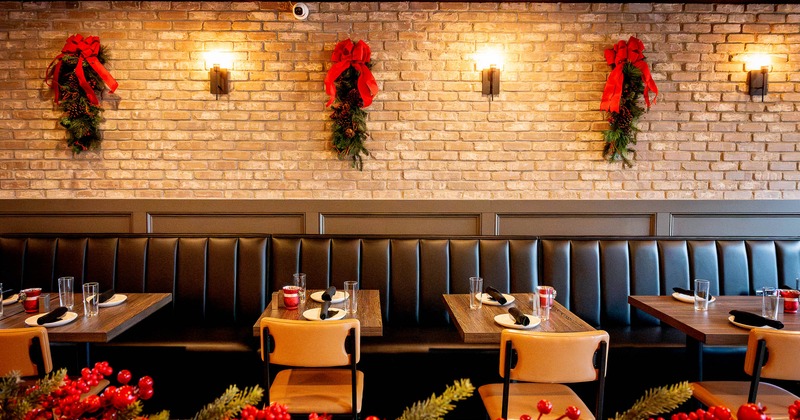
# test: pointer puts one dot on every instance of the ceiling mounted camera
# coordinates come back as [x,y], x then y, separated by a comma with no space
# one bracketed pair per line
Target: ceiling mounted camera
[300,11]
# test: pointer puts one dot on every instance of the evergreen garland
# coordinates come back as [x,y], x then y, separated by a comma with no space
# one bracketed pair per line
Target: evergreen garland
[349,119]
[436,407]
[622,131]
[657,400]
[230,403]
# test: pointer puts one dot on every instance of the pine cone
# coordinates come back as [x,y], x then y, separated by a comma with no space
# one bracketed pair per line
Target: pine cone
[349,133]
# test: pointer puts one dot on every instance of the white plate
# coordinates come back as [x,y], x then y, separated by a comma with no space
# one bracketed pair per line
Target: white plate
[313,314]
[507,321]
[339,296]
[689,299]
[745,326]
[11,299]
[114,301]
[487,300]
[65,319]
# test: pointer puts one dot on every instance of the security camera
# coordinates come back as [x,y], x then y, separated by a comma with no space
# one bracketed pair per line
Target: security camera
[300,11]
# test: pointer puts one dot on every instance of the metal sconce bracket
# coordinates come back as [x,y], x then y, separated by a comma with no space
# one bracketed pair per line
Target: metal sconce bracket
[490,81]
[758,81]
[219,80]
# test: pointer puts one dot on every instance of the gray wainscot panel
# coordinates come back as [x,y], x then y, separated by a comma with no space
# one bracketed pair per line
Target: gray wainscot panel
[576,224]
[778,225]
[66,223]
[401,224]
[226,223]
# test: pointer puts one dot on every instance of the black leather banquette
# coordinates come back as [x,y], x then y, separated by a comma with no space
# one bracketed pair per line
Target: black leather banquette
[221,283]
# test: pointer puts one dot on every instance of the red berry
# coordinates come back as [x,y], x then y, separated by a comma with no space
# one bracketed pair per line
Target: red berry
[525,417]
[146,382]
[573,412]
[544,406]
[124,376]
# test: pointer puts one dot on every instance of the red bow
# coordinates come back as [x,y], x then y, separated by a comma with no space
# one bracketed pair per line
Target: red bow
[85,49]
[347,54]
[616,58]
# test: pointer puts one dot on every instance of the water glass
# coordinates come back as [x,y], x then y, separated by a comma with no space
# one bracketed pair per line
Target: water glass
[351,303]
[475,292]
[91,299]
[66,292]
[300,282]
[701,294]
[770,300]
[543,301]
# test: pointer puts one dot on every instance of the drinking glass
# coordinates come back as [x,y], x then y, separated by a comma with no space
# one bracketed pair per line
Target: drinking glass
[701,296]
[770,299]
[66,292]
[300,282]
[475,292]
[91,299]
[351,303]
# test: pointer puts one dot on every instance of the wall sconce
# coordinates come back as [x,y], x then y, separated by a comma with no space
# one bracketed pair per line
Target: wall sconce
[758,66]
[218,64]
[490,63]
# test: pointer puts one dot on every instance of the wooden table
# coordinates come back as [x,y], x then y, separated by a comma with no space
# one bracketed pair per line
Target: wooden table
[709,327]
[111,322]
[368,314]
[478,325]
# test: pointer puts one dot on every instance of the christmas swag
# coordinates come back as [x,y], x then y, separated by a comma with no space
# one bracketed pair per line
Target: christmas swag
[77,76]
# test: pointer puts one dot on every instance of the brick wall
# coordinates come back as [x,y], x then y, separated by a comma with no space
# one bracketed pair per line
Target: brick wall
[433,134]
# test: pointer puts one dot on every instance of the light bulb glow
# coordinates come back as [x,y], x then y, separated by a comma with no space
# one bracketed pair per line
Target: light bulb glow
[757,61]
[489,57]
[222,59]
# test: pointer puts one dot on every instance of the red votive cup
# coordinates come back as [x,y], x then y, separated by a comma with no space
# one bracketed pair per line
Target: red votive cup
[31,302]
[791,301]
[291,297]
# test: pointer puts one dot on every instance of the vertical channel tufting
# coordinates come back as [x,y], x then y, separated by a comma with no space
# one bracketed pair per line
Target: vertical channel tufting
[345,263]
[704,263]
[162,267]
[645,276]
[12,259]
[284,261]
[70,261]
[615,282]
[434,280]
[131,264]
[585,281]
[556,268]
[464,263]
[763,267]
[524,264]
[494,260]
[191,280]
[251,287]
[734,269]
[788,261]
[315,261]
[674,264]
[219,296]
[101,260]
[375,272]
[404,282]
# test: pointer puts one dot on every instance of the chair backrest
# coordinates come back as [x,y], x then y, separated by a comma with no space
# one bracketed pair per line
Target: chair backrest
[554,357]
[311,344]
[780,359]
[25,350]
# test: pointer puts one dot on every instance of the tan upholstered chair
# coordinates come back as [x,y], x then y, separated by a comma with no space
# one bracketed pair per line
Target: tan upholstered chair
[541,363]
[771,354]
[319,365]
[27,351]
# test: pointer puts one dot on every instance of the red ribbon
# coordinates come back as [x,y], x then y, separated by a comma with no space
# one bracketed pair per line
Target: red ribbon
[630,52]
[347,54]
[85,49]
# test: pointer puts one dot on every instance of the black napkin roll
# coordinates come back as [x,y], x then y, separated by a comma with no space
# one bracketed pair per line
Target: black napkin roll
[52,316]
[325,311]
[7,293]
[328,294]
[519,317]
[748,318]
[681,290]
[496,295]
[108,294]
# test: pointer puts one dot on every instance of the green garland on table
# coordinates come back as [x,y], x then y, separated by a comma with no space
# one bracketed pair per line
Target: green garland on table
[623,124]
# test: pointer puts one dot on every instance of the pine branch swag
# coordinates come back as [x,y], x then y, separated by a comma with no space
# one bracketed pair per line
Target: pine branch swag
[77,76]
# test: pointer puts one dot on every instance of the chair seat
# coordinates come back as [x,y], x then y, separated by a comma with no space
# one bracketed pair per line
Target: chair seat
[733,394]
[316,390]
[523,398]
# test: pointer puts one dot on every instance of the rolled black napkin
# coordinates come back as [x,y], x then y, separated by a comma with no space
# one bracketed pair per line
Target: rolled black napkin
[325,311]
[52,316]
[681,290]
[328,294]
[754,320]
[496,295]
[108,294]
[519,317]
[7,293]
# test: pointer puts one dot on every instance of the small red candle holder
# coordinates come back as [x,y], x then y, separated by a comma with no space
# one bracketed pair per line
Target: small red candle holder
[291,297]
[791,300]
